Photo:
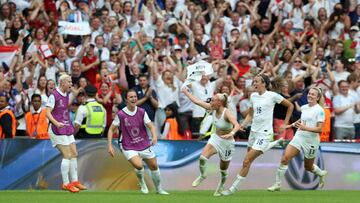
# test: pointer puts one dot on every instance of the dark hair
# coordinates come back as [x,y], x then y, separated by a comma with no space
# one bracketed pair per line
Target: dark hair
[35,96]
[341,81]
[142,75]
[265,80]
[128,91]
[174,108]
[46,88]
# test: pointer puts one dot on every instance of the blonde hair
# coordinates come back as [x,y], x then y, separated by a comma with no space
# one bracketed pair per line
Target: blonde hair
[63,77]
[223,97]
[321,99]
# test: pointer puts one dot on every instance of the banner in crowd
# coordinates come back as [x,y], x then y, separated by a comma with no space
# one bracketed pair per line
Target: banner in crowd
[35,164]
[196,70]
[7,53]
[74,28]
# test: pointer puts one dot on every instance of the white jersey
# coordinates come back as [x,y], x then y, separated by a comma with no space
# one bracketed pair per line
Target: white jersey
[310,116]
[263,107]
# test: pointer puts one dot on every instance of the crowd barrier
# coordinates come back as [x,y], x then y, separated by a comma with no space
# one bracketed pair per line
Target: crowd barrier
[35,164]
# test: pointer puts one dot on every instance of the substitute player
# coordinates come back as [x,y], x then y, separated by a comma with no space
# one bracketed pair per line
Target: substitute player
[61,133]
[135,145]
[221,142]
[306,138]
[261,114]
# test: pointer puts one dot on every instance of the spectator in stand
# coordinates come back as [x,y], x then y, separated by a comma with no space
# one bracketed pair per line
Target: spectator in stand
[354,91]
[147,98]
[345,107]
[41,90]
[108,97]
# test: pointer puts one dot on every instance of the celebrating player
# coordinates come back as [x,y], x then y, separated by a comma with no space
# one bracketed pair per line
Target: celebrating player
[61,133]
[261,114]
[222,141]
[306,138]
[135,145]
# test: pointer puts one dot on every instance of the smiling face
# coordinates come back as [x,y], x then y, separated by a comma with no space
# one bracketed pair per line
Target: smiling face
[36,103]
[131,99]
[313,96]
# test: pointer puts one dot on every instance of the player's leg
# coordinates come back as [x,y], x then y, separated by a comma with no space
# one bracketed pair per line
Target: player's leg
[207,152]
[250,156]
[224,165]
[73,168]
[310,152]
[136,162]
[226,150]
[290,152]
[155,174]
[65,167]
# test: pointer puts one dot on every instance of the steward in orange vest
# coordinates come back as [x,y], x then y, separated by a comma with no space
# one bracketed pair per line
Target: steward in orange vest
[7,119]
[171,126]
[36,121]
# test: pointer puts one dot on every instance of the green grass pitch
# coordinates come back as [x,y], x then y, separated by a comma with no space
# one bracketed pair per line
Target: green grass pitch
[196,196]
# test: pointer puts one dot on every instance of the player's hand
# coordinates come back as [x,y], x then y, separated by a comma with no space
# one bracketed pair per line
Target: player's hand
[242,128]
[227,136]
[299,125]
[60,125]
[154,141]
[111,151]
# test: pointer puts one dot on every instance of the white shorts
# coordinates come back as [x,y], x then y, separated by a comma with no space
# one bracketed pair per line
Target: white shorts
[309,146]
[144,154]
[61,140]
[259,141]
[225,148]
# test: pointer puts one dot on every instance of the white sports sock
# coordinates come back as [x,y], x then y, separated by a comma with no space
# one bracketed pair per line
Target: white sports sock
[73,170]
[65,167]
[202,165]
[316,170]
[237,182]
[140,175]
[155,175]
[224,175]
[280,173]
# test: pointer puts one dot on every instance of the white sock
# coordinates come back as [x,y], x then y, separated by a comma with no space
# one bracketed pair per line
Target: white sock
[202,165]
[140,175]
[237,182]
[73,170]
[224,175]
[65,167]
[316,170]
[280,173]
[155,175]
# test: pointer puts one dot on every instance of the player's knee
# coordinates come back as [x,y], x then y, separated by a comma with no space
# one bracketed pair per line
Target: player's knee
[285,160]
[139,167]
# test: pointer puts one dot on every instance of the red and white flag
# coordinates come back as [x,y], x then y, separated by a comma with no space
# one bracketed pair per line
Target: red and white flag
[7,53]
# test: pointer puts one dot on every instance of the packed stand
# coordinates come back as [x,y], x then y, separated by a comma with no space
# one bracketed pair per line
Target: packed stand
[147,45]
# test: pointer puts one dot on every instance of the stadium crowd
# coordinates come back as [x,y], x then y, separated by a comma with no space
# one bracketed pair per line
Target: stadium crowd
[147,45]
